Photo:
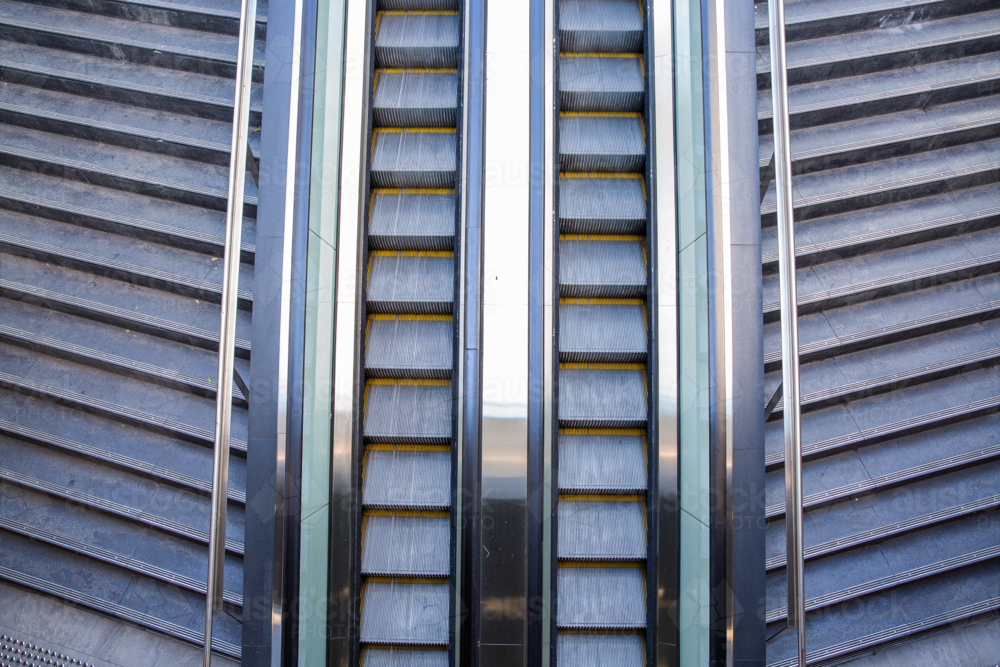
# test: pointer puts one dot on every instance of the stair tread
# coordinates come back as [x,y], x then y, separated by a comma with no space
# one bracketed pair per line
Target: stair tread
[133,212]
[879,85]
[52,239]
[177,611]
[135,165]
[116,31]
[143,78]
[872,43]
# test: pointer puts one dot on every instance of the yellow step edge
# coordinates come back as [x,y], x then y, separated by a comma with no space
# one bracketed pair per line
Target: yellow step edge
[387,447]
[420,514]
[415,130]
[598,54]
[413,253]
[414,318]
[600,114]
[416,70]
[602,497]
[601,366]
[413,191]
[590,301]
[603,431]
[409,382]
[601,237]
[601,174]
[436,12]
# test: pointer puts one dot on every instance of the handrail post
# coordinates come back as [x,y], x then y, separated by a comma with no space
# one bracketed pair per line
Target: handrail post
[795,561]
[227,330]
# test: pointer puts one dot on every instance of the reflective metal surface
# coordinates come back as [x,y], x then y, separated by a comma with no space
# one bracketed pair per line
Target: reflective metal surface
[721,322]
[663,542]
[789,329]
[227,330]
[281,470]
[505,335]
[548,341]
[346,388]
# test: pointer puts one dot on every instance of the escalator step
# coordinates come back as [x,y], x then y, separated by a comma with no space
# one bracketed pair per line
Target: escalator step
[608,83]
[394,657]
[594,650]
[602,463]
[411,98]
[406,546]
[404,347]
[403,221]
[600,26]
[400,412]
[602,142]
[405,613]
[601,206]
[417,39]
[602,398]
[602,333]
[404,478]
[590,530]
[408,282]
[602,269]
[413,159]
[601,597]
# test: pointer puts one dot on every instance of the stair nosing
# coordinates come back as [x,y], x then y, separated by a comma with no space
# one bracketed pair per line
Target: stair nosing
[843,393]
[882,188]
[219,197]
[116,509]
[115,609]
[218,242]
[225,103]
[103,266]
[891,581]
[890,530]
[209,339]
[771,259]
[897,429]
[889,480]
[870,337]
[110,557]
[941,274]
[142,419]
[136,466]
[130,367]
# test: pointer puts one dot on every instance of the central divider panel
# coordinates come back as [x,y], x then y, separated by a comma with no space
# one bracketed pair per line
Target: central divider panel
[407,468]
[601,450]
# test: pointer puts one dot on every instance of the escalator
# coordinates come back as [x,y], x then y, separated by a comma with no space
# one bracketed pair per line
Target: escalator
[410,283]
[895,141]
[601,449]
[114,164]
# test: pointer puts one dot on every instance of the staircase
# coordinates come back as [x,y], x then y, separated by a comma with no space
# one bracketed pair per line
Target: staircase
[895,117]
[114,154]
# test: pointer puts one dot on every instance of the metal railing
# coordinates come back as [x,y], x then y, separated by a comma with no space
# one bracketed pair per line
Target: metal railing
[240,159]
[781,164]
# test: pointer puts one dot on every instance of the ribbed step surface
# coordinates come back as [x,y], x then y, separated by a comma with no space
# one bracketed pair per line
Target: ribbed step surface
[602,473]
[409,337]
[895,158]
[113,177]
